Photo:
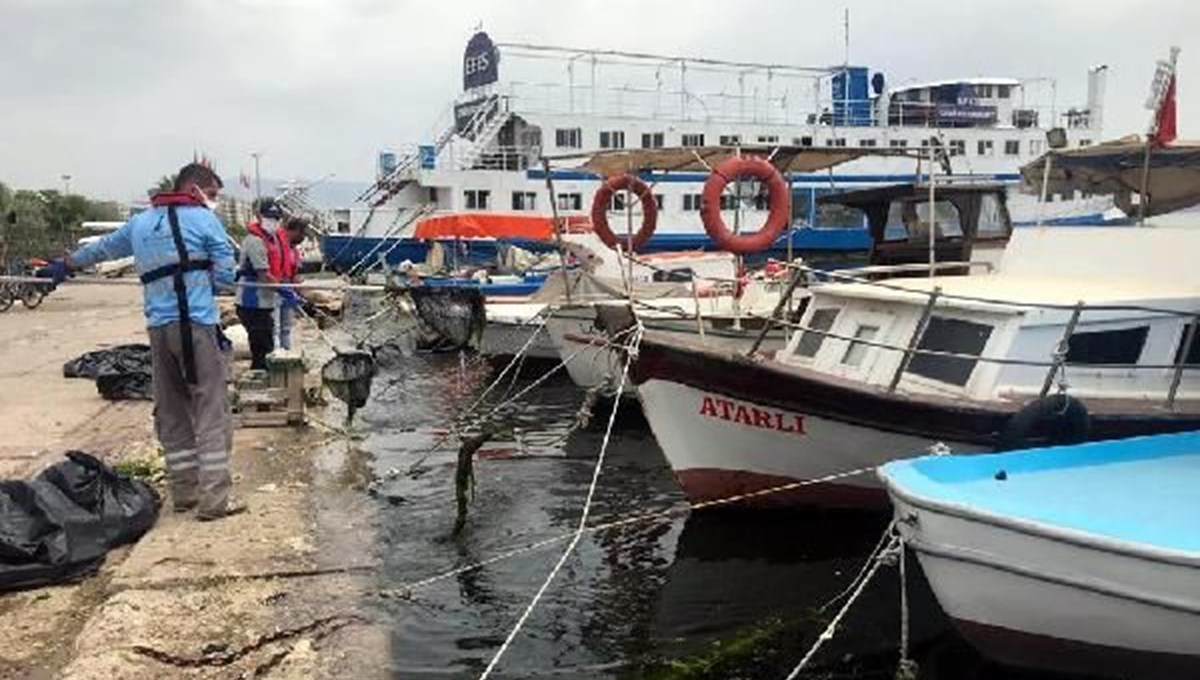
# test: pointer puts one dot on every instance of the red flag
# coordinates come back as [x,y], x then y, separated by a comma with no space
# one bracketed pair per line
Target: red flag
[1164,119]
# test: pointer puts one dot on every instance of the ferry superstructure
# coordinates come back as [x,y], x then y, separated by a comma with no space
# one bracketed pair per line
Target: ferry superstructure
[485,152]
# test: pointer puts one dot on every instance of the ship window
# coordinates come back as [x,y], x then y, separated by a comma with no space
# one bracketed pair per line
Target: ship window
[866,142]
[612,139]
[617,202]
[984,147]
[524,200]
[691,202]
[836,141]
[659,201]
[1193,357]
[948,221]
[898,143]
[768,139]
[570,202]
[983,91]
[693,139]
[821,320]
[568,138]
[652,140]
[730,140]
[958,147]
[1085,142]
[803,141]
[1003,91]
[991,218]
[857,351]
[477,199]
[1107,347]
[949,335]
[1012,147]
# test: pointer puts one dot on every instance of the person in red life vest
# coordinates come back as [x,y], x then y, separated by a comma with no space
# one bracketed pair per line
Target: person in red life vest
[263,261]
[290,238]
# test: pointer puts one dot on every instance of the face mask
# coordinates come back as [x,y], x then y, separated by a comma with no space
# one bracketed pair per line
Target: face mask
[210,204]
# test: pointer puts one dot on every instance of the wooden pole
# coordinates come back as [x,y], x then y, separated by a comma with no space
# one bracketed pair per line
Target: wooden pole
[558,240]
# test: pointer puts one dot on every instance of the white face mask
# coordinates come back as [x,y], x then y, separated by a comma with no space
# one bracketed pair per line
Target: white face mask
[211,204]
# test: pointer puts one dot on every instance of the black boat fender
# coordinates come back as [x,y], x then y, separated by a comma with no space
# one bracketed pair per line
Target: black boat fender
[1052,420]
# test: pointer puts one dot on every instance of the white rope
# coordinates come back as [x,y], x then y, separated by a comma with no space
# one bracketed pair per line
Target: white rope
[827,634]
[583,518]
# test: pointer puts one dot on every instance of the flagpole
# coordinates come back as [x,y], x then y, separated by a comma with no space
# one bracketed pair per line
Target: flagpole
[257,179]
[1153,136]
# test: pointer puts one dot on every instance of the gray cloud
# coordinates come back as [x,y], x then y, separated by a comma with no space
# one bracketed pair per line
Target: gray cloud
[117,92]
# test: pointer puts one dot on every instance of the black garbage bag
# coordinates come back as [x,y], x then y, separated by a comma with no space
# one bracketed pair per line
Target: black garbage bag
[121,372]
[455,314]
[59,525]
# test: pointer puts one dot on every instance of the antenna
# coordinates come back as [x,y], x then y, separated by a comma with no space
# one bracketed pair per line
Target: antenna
[846,31]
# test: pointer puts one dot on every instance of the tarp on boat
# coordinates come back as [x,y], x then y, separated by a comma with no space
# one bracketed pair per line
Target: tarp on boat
[799,159]
[485,225]
[1116,168]
[585,287]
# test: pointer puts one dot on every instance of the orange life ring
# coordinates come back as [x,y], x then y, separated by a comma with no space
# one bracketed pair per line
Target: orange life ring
[634,185]
[780,205]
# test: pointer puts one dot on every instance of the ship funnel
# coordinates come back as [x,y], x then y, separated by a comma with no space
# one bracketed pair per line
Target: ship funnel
[1097,78]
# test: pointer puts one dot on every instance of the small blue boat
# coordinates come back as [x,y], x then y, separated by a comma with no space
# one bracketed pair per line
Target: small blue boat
[1080,559]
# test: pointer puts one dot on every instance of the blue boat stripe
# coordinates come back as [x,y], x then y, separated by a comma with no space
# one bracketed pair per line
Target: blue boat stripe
[808,178]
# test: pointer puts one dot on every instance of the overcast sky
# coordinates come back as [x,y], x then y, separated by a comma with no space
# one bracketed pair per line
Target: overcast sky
[119,92]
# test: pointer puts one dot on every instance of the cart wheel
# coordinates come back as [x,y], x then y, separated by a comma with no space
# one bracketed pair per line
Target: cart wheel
[6,297]
[31,296]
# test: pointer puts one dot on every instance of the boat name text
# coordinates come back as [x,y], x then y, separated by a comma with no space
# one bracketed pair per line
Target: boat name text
[726,409]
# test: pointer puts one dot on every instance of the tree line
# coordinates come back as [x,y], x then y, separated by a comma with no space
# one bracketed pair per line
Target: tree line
[45,223]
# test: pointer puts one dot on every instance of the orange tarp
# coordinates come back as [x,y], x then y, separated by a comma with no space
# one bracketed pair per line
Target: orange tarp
[485,225]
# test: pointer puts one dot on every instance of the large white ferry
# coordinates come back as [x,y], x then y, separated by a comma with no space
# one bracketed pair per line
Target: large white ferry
[485,153]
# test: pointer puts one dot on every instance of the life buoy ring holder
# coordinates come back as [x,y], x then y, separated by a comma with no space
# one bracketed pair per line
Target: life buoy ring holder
[1054,420]
[634,185]
[779,205]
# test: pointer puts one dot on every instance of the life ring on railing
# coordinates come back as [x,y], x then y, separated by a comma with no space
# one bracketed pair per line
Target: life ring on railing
[1054,420]
[634,185]
[780,204]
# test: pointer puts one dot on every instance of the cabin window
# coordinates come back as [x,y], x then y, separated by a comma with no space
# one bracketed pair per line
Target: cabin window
[570,201]
[947,219]
[476,199]
[524,200]
[949,335]
[612,139]
[730,140]
[836,141]
[1012,147]
[692,139]
[1100,348]
[1193,356]
[958,147]
[984,147]
[983,91]
[803,141]
[617,202]
[691,202]
[659,201]
[568,138]
[652,140]
[857,351]
[768,139]
[836,215]
[991,217]
[1085,142]
[343,227]
[898,143]
[1003,91]
[810,341]
[866,143]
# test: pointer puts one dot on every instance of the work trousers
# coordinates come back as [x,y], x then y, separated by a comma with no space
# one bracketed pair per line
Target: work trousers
[260,331]
[193,421]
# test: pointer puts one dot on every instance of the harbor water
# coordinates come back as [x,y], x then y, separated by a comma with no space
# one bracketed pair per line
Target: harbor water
[711,594]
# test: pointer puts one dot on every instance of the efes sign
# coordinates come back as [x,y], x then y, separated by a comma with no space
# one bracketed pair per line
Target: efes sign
[481,62]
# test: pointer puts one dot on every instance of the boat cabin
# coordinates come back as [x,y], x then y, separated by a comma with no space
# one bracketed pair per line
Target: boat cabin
[971,223]
[1116,307]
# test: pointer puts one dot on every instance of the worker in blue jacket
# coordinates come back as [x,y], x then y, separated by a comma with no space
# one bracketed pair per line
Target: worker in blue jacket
[181,252]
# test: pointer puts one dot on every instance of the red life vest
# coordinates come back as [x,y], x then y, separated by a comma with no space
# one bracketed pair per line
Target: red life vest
[174,198]
[281,258]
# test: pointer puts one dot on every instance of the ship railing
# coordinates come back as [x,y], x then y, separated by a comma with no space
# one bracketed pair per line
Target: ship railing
[1056,364]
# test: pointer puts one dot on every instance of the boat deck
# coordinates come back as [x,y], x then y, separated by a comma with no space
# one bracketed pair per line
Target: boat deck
[1144,490]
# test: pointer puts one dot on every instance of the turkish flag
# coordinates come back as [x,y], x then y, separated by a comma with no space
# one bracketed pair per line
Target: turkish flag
[1164,123]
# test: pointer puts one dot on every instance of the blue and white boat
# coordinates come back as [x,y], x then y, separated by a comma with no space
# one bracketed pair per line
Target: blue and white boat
[1081,558]
[521,102]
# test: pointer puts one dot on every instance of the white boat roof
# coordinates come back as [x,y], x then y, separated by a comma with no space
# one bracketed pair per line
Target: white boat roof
[956,81]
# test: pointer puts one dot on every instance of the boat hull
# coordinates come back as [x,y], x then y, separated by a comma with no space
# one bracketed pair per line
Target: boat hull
[1045,599]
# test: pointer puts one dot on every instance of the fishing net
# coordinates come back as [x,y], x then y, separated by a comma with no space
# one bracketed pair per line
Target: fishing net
[454,314]
[348,376]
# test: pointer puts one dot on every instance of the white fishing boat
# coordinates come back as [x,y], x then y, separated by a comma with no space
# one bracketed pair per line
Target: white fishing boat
[521,102]
[1082,559]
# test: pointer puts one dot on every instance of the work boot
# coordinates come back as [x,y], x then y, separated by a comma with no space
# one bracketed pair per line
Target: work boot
[232,507]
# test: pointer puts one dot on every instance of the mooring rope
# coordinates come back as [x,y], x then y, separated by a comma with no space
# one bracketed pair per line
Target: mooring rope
[631,353]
